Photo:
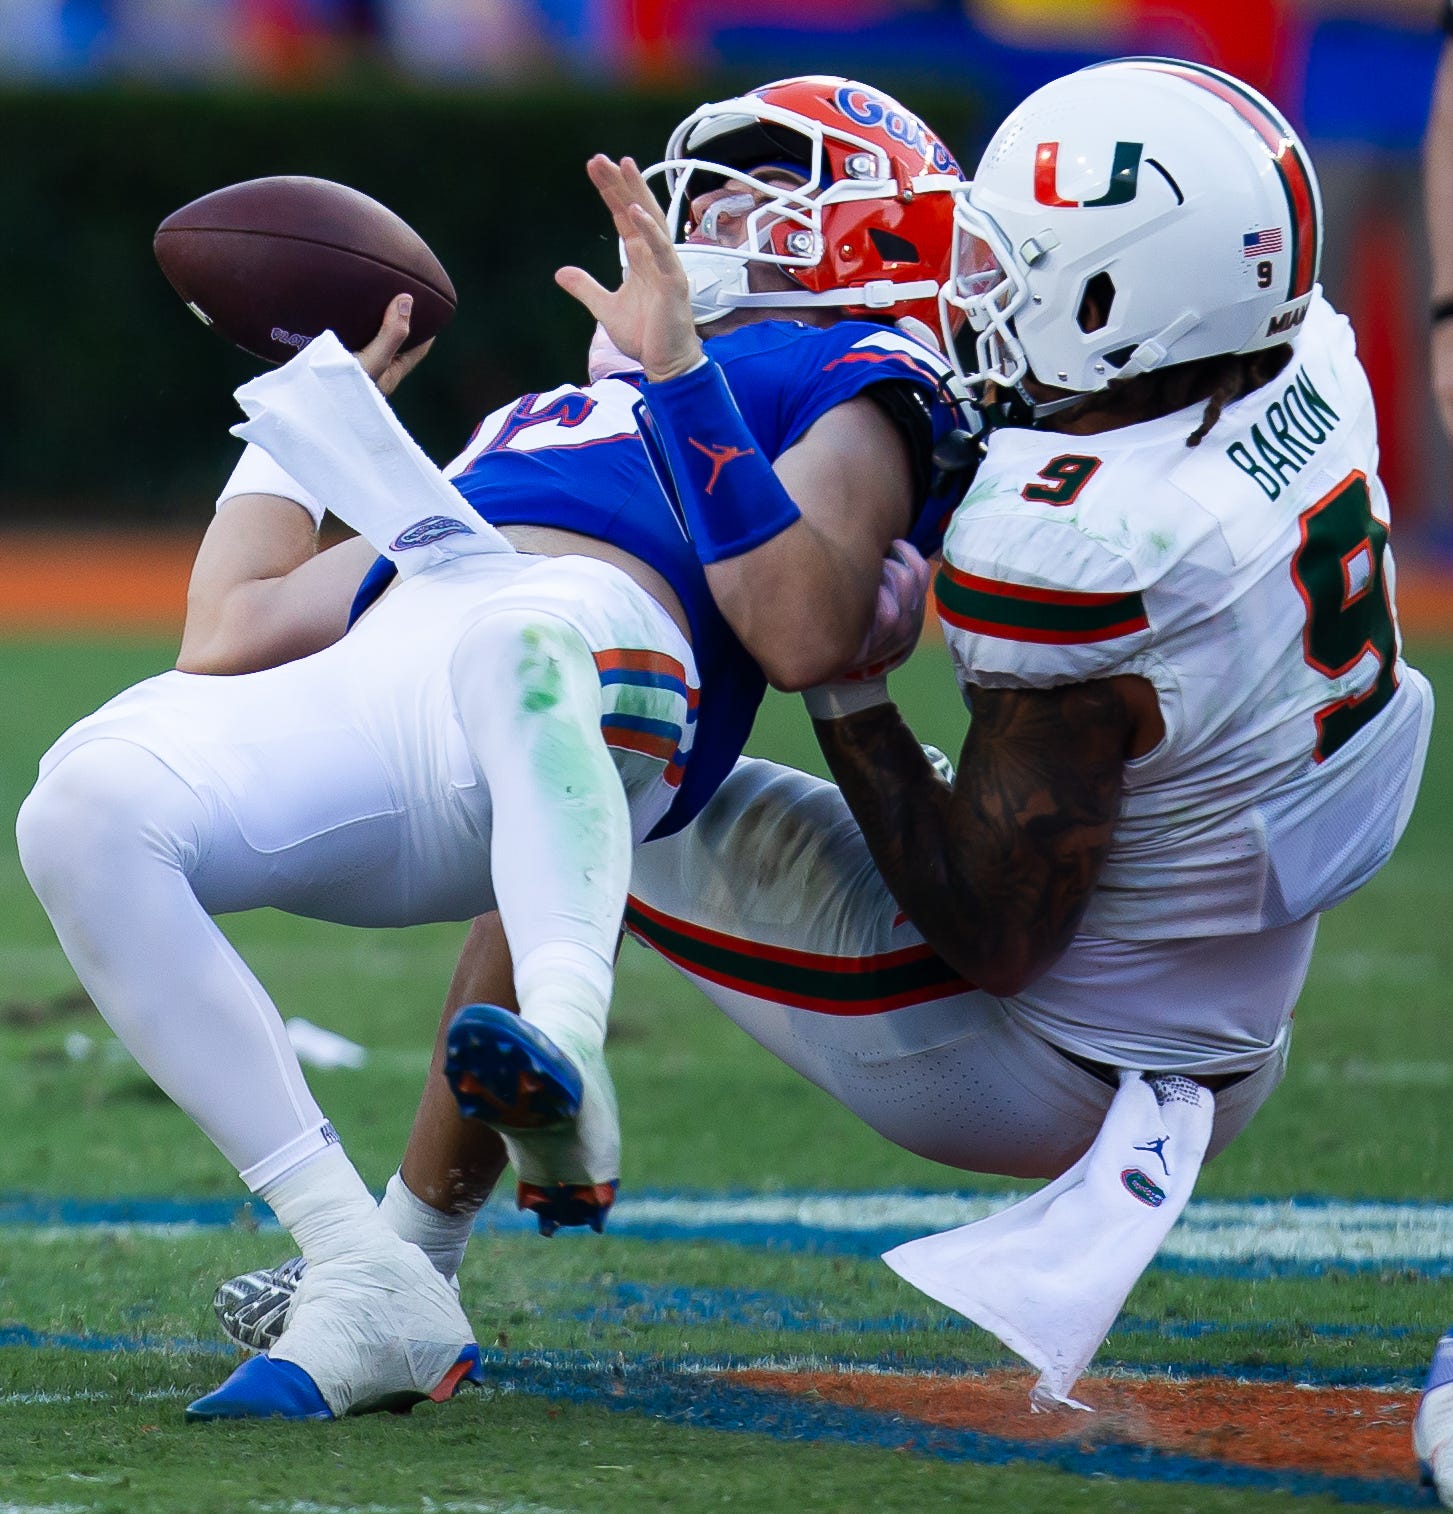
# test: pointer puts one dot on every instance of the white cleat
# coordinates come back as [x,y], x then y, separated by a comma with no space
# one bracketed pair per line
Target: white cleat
[364,1333]
[1433,1427]
[374,1332]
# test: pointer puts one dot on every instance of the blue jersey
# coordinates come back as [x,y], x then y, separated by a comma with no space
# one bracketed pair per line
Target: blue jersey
[575,458]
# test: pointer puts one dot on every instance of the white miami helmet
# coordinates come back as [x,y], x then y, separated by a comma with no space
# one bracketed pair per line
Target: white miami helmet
[1169,199]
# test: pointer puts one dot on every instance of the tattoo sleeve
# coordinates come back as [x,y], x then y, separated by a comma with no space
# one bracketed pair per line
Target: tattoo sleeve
[996,872]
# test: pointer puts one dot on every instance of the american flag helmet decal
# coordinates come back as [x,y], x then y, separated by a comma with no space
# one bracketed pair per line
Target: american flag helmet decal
[1261,244]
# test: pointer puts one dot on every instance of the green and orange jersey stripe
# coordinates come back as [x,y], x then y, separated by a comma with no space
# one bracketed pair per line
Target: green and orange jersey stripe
[1296,176]
[1021,612]
[814,981]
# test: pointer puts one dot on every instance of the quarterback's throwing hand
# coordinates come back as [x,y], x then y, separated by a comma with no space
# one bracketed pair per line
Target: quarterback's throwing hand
[649,317]
[381,359]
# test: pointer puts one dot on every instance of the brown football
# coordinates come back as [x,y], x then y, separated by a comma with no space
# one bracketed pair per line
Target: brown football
[272,262]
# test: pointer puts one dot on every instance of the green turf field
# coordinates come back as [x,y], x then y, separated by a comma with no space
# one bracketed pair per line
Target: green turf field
[600,1394]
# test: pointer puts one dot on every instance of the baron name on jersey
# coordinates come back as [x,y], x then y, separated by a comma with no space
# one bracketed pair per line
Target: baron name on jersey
[1284,440]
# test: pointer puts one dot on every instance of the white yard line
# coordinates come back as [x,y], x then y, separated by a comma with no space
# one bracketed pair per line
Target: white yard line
[1296,1232]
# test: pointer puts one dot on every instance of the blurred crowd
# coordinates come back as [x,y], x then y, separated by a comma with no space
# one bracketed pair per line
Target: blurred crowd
[1358,69]
[1355,76]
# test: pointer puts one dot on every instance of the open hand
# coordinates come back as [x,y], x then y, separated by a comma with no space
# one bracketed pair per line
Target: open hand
[649,317]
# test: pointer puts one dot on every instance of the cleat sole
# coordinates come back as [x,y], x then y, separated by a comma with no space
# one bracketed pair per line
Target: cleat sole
[467,1369]
[567,1204]
[506,1074]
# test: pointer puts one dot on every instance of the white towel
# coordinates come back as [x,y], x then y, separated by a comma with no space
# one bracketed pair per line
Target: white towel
[323,419]
[1049,1274]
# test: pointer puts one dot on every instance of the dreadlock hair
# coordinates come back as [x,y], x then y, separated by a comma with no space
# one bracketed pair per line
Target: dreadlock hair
[1219,380]
[1234,375]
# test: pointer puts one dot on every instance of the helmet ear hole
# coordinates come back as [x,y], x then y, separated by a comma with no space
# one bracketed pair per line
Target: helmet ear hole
[891,247]
[1095,303]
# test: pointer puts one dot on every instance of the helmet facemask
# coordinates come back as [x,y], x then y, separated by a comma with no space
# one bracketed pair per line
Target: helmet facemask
[987,289]
[827,234]
[762,220]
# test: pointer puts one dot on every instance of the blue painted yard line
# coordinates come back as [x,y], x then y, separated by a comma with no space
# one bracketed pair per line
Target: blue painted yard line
[687,1398]
[755,1308]
[1245,1239]
[683,1393]
[50,1340]
[699,1367]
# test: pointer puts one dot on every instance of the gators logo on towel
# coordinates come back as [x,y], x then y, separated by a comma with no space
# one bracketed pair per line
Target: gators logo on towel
[431,529]
[1143,1188]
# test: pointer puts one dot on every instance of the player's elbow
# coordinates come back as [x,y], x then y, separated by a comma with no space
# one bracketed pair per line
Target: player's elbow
[201,654]
[1000,965]
[208,649]
[1004,980]
[801,661]
[220,646]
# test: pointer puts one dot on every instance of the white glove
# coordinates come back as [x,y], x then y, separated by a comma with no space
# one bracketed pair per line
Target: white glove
[897,625]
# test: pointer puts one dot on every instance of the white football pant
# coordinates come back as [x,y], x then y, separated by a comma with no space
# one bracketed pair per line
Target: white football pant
[769,902]
[497,733]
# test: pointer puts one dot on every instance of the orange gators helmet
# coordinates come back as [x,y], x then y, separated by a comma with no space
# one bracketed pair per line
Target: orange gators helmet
[869,229]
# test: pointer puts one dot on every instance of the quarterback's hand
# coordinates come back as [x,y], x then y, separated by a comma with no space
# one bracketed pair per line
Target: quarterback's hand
[381,359]
[897,624]
[649,317]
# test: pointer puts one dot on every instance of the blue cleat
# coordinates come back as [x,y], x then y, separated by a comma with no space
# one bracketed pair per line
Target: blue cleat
[506,1073]
[555,1108]
[263,1389]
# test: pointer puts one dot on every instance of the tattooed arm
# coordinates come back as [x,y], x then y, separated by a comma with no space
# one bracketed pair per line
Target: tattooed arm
[996,872]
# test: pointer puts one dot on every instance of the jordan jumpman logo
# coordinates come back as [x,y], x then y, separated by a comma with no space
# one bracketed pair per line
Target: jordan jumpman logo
[1157,1146]
[720,453]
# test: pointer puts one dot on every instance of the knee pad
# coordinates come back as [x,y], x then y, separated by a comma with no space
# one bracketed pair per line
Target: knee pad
[100,799]
[531,657]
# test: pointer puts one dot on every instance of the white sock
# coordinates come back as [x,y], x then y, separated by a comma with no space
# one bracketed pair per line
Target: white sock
[326,1208]
[564,990]
[441,1237]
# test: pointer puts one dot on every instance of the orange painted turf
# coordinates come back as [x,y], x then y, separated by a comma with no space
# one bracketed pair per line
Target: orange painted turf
[103,581]
[1340,1432]
[137,581]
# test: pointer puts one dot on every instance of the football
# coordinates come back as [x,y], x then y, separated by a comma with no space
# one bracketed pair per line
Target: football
[272,262]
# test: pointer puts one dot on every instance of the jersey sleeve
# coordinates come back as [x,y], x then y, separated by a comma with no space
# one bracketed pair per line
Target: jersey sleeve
[850,360]
[784,376]
[1032,602]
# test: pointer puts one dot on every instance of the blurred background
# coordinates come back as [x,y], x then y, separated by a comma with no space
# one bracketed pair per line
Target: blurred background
[473,118]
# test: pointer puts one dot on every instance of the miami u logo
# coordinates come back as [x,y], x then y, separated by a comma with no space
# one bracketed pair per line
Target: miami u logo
[1124,175]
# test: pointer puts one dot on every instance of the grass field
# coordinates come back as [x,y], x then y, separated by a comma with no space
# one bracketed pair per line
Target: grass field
[738,1350]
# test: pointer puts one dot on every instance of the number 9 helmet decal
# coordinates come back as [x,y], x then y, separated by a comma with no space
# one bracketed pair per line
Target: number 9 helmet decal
[1133,215]
[833,183]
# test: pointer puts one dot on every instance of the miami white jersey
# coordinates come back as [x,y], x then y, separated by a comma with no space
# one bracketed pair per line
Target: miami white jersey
[1249,580]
